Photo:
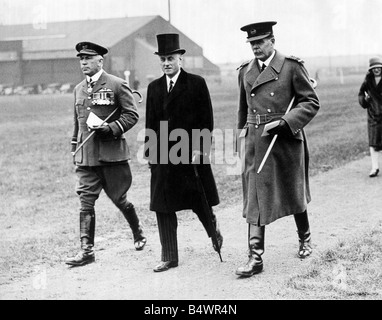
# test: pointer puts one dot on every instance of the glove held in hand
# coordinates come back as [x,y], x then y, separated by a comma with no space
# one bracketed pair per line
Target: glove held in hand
[103,132]
[282,129]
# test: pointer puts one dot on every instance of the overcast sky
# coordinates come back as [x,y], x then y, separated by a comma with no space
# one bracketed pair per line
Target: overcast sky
[304,27]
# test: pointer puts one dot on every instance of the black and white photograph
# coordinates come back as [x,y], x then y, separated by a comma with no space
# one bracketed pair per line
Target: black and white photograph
[190,155]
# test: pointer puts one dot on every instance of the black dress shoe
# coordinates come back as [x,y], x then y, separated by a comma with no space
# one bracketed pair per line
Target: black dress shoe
[253,266]
[165,265]
[374,173]
[81,259]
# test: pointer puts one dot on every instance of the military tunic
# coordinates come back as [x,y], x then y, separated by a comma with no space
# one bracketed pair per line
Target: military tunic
[102,162]
[282,187]
[100,151]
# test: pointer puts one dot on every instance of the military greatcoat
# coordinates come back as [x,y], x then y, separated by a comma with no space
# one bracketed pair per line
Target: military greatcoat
[282,187]
[374,109]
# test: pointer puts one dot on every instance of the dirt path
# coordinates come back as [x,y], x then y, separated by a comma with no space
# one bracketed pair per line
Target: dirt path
[345,201]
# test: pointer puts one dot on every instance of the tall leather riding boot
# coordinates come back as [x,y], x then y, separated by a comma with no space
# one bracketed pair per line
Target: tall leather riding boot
[87,225]
[131,216]
[256,235]
[304,236]
[87,230]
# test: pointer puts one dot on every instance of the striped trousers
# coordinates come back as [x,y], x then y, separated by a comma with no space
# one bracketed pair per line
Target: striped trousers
[167,227]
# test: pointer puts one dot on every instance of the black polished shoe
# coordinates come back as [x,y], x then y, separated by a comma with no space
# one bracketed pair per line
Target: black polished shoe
[140,244]
[253,266]
[165,265]
[374,173]
[81,259]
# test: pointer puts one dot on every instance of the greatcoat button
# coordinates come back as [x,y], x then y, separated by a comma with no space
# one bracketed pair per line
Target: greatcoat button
[272,94]
[269,110]
[252,94]
[254,111]
[88,108]
[256,126]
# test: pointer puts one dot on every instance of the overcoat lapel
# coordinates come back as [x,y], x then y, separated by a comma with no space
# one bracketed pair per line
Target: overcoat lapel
[179,87]
[269,74]
[252,73]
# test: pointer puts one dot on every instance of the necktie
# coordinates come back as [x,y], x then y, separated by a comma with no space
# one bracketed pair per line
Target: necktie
[91,84]
[263,67]
[171,86]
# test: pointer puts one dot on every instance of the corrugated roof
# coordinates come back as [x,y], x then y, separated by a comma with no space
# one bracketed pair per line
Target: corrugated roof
[64,35]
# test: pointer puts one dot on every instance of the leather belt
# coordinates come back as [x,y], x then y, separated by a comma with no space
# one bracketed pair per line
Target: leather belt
[263,118]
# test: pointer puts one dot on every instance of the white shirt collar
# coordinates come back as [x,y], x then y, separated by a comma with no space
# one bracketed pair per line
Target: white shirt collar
[268,61]
[94,77]
[174,79]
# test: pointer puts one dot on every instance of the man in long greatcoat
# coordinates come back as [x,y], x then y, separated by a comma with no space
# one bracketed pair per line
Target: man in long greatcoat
[178,107]
[267,85]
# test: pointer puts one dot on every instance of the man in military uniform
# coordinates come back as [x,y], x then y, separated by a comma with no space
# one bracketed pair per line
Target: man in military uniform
[267,85]
[102,161]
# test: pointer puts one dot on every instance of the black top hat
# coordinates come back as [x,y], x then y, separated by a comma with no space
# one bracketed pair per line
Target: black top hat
[168,43]
[260,30]
[90,49]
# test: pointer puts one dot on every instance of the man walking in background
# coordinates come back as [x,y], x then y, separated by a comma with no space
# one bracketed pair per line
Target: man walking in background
[102,160]
[178,101]
[268,84]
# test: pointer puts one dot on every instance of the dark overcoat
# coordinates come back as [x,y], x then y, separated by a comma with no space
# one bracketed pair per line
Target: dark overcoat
[187,107]
[104,151]
[373,104]
[282,187]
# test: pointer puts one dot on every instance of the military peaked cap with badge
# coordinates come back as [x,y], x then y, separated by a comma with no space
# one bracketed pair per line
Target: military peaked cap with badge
[168,43]
[259,30]
[90,49]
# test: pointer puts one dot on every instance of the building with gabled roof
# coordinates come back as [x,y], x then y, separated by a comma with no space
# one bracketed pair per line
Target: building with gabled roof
[35,54]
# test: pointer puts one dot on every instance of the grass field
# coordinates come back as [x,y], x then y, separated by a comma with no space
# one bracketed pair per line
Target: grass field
[39,208]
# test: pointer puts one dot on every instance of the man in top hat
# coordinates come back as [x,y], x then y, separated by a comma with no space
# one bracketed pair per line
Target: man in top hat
[102,161]
[267,85]
[178,103]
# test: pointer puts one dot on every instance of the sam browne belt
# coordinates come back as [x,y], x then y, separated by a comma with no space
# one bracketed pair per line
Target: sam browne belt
[263,118]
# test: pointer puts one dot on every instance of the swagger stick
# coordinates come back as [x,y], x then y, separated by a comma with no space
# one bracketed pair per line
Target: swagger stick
[103,122]
[93,132]
[314,85]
